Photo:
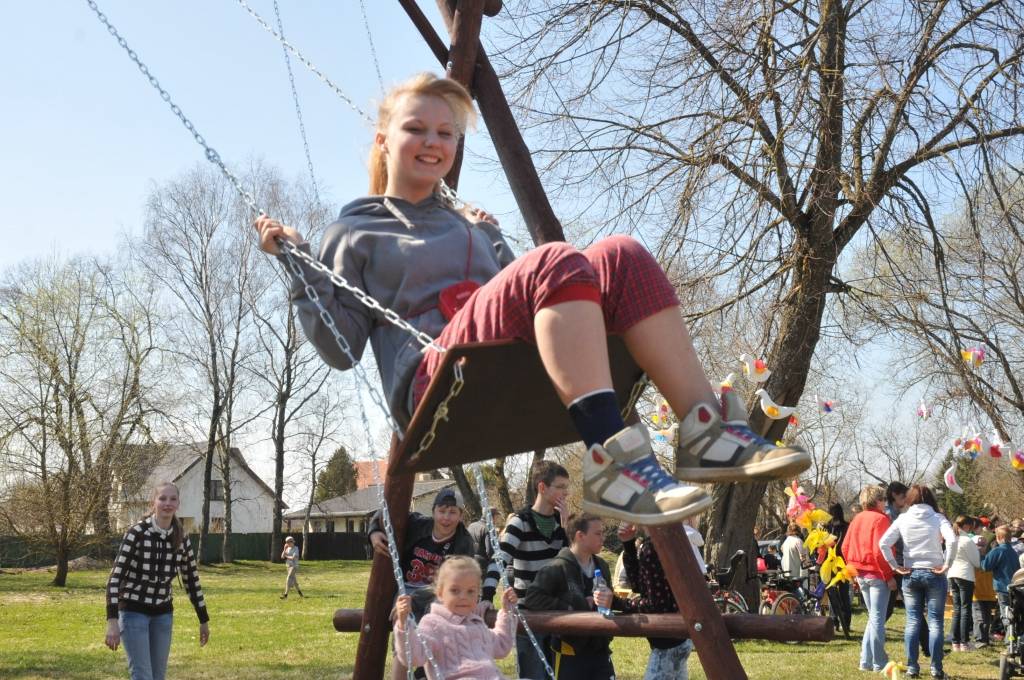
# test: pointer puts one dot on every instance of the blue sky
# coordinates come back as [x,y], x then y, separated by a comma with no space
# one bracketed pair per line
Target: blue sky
[84,136]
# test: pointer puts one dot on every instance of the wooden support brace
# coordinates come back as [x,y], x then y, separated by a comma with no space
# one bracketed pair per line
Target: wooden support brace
[707,629]
[371,653]
[740,626]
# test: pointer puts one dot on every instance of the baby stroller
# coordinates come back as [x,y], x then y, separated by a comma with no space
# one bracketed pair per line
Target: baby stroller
[1011,662]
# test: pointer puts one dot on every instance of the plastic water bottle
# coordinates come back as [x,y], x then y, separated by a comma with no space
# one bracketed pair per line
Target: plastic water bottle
[601,587]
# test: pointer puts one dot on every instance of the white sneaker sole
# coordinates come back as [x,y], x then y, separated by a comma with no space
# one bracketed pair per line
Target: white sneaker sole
[669,517]
[784,467]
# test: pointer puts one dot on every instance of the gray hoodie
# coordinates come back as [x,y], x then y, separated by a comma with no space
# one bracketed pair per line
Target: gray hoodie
[403,255]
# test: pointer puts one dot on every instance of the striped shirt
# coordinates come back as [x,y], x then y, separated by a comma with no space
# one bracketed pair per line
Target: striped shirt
[144,571]
[527,549]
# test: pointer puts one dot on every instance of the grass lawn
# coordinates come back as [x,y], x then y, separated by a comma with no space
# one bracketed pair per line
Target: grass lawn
[48,632]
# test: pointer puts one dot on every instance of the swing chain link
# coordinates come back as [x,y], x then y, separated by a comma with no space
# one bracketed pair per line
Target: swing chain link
[298,106]
[389,315]
[634,395]
[301,57]
[441,412]
[503,567]
[211,153]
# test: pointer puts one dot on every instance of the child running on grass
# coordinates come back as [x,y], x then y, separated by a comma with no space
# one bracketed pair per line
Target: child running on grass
[455,632]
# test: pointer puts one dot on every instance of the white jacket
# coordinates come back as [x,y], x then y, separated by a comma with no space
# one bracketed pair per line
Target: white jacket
[793,555]
[922,531]
[967,559]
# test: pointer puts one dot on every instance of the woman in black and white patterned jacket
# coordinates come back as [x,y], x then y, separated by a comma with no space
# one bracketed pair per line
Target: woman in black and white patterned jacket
[139,602]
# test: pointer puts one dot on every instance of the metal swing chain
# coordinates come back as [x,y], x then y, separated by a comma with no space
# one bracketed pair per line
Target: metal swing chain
[310,65]
[298,107]
[492,532]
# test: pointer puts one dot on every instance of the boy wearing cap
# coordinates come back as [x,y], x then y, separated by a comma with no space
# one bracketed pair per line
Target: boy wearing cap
[290,555]
[428,541]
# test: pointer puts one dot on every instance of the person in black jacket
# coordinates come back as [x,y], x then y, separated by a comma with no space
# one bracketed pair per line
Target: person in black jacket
[428,541]
[567,584]
[839,596]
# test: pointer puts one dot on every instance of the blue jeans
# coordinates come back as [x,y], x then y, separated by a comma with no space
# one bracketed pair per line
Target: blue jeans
[530,664]
[963,621]
[924,590]
[872,647]
[147,643]
[669,664]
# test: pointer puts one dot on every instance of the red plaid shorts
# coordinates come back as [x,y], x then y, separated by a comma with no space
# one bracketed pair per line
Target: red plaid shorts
[616,272]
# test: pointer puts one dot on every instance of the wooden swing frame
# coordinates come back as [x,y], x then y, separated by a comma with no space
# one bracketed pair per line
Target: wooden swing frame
[479,411]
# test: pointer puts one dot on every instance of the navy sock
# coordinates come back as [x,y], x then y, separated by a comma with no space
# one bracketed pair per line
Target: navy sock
[596,417]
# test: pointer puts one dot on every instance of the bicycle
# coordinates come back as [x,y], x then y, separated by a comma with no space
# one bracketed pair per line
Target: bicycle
[720,581]
[782,596]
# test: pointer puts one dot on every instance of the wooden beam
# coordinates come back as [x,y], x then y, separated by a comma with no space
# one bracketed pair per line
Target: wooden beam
[740,626]
[512,151]
[374,626]
[465,31]
[707,629]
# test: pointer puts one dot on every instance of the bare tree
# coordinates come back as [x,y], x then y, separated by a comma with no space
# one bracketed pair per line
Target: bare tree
[193,246]
[319,435]
[77,389]
[765,138]
[287,367]
[959,287]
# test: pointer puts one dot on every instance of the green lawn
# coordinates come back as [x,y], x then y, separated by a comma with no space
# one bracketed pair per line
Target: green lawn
[47,632]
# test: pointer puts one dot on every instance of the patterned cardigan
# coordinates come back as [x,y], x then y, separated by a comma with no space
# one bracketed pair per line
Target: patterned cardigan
[144,571]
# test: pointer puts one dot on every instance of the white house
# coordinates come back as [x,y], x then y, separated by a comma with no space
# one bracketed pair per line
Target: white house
[351,513]
[252,500]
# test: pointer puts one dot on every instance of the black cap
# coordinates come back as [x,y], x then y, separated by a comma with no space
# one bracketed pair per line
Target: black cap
[447,497]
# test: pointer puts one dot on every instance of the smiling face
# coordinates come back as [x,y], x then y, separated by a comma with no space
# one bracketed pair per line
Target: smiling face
[460,592]
[165,502]
[446,519]
[419,145]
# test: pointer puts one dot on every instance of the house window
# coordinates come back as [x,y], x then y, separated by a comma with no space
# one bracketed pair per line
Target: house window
[216,490]
[330,526]
[216,525]
[350,526]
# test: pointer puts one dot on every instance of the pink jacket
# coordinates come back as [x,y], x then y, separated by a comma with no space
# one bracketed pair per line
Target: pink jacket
[463,646]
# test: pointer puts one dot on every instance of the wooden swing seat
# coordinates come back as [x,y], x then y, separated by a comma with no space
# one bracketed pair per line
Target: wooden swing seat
[507,405]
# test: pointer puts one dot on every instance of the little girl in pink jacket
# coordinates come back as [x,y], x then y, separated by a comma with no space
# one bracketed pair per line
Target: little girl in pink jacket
[459,640]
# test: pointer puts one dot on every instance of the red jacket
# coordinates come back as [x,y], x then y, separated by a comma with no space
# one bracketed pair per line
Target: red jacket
[860,547]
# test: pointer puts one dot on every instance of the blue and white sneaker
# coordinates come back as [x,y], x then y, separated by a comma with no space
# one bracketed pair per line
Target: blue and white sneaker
[623,479]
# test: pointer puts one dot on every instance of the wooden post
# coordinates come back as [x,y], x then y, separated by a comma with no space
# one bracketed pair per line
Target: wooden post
[465,32]
[371,654]
[707,629]
[508,142]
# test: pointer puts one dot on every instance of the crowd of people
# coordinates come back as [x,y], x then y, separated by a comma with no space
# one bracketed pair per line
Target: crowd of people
[899,542]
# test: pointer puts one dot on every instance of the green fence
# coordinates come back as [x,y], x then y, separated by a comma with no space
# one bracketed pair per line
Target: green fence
[18,553]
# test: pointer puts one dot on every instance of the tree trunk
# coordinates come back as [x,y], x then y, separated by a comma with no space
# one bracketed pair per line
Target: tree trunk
[504,496]
[469,497]
[736,505]
[204,524]
[275,532]
[226,555]
[305,521]
[61,577]
[530,493]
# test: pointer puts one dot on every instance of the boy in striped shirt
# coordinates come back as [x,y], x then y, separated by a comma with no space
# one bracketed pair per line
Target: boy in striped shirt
[532,538]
